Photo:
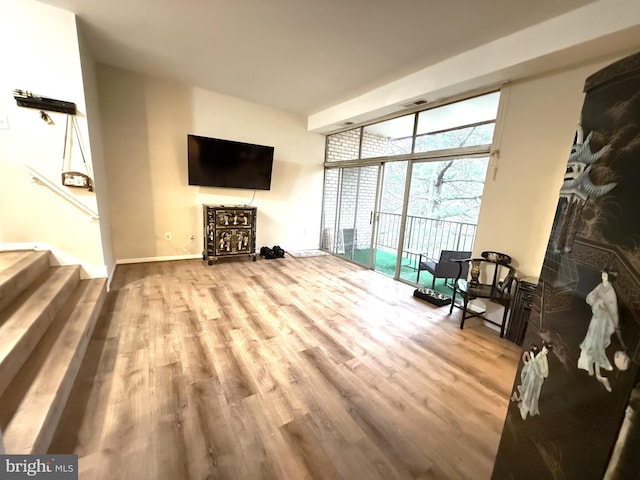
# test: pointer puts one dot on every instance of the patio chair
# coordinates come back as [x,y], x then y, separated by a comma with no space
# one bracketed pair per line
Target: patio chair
[445,267]
[349,241]
[493,266]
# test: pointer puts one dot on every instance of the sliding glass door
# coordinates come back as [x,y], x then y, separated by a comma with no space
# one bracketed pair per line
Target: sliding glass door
[389,218]
[442,211]
[437,210]
[349,205]
[404,189]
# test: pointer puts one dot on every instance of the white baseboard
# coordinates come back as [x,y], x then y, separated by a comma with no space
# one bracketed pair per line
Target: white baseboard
[190,256]
[58,258]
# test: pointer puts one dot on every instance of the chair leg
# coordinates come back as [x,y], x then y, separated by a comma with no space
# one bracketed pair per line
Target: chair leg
[433,283]
[453,301]
[504,320]
[465,302]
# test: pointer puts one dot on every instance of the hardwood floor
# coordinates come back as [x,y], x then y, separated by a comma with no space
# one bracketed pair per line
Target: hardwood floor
[288,369]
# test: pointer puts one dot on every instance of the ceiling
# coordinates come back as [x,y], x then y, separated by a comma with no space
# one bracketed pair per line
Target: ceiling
[300,56]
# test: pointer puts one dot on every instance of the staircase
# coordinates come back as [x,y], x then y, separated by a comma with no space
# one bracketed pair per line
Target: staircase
[47,316]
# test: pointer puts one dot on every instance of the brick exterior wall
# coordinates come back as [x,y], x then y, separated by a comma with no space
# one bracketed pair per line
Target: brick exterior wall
[345,146]
[329,210]
[374,146]
[357,199]
[357,192]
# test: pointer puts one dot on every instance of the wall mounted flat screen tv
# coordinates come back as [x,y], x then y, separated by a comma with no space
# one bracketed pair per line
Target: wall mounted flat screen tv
[213,162]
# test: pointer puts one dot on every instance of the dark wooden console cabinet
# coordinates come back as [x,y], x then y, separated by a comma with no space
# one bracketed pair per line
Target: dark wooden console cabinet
[229,231]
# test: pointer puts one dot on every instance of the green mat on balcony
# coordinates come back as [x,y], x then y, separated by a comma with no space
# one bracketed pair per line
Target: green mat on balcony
[386,264]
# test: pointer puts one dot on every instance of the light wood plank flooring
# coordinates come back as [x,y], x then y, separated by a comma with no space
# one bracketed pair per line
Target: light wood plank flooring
[291,368]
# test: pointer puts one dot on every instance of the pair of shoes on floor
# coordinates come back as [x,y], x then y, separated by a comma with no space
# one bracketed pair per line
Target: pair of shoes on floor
[269,253]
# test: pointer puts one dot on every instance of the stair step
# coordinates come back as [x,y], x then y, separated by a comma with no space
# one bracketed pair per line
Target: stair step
[31,407]
[18,269]
[23,323]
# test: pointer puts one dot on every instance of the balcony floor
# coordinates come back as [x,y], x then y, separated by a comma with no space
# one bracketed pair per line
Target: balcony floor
[386,264]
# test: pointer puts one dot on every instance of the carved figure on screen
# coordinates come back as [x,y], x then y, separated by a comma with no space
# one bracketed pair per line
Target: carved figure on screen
[534,371]
[225,242]
[243,240]
[604,321]
[576,189]
[224,219]
[527,356]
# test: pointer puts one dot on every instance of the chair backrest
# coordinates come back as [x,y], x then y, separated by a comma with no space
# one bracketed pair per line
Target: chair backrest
[496,257]
[495,262]
[349,240]
[446,266]
[506,283]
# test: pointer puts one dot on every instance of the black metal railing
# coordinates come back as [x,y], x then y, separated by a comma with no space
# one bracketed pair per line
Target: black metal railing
[428,236]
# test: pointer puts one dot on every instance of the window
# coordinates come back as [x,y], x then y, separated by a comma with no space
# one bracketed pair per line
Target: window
[462,124]
[412,186]
[392,137]
[468,123]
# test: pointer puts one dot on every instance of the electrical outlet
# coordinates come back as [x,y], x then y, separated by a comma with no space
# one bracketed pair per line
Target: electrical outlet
[167,236]
[4,122]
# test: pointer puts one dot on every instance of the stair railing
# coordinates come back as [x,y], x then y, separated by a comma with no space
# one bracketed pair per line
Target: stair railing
[42,180]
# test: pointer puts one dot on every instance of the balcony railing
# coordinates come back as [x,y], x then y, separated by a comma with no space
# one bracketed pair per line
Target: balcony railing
[427,236]
[424,235]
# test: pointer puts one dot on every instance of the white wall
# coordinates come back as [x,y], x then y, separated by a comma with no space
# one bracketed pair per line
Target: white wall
[145,126]
[40,54]
[94,124]
[533,137]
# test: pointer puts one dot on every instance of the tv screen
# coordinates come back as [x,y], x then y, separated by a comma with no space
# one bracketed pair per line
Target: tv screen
[213,162]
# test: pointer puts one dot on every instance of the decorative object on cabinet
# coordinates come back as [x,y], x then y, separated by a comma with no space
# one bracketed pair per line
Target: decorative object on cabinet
[499,290]
[523,303]
[229,231]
